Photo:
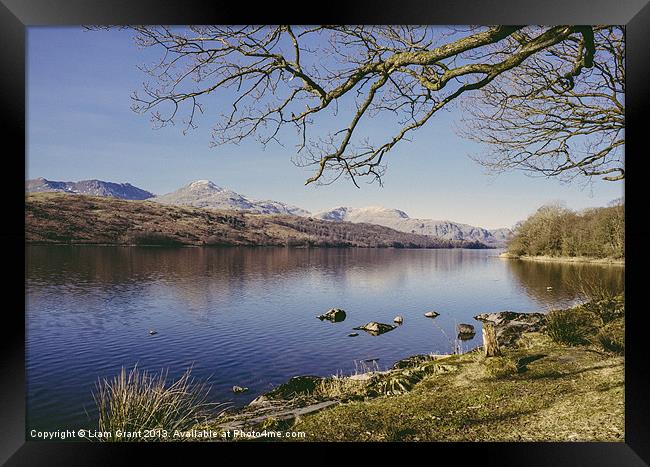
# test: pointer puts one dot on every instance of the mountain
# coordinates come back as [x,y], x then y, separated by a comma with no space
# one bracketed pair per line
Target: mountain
[205,194]
[89,187]
[399,220]
[61,218]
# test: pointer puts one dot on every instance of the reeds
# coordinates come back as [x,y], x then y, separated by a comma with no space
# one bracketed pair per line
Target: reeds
[139,401]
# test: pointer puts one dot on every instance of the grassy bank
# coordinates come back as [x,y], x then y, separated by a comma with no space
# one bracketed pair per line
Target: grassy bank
[563,382]
[565,259]
[540,392]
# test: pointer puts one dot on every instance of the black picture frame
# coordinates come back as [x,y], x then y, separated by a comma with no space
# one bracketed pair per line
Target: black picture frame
[17,15]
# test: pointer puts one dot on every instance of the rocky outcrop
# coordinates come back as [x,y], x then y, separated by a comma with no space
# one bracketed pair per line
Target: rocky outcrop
[376,328]
[335,315]
[278,411]
[510,325]
[295,387]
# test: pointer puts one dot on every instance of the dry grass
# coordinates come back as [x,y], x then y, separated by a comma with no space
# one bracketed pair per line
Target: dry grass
[136,401]
[558,393]
[341,387]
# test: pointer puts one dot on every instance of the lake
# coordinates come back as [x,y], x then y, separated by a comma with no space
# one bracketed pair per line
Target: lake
[247,316]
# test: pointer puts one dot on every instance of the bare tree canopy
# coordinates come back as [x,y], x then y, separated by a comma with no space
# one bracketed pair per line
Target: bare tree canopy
[543,99]
[550,118]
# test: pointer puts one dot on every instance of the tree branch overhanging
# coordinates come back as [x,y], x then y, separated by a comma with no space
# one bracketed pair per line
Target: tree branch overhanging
[530,93]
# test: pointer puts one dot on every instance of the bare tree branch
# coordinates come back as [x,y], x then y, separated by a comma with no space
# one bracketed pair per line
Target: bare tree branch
[530,92]
[560,114]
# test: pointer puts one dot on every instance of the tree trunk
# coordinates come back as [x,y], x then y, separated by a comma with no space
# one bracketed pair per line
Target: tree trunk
[490,344]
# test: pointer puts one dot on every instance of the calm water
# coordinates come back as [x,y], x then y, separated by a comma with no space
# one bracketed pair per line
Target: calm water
[246,316]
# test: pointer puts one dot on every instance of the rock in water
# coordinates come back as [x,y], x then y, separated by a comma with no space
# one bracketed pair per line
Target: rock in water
[465,332]
[238,389]
[431,314]
[376,328]
[465,329]
[398,319]
[335,315]
[353,334]
[152,332]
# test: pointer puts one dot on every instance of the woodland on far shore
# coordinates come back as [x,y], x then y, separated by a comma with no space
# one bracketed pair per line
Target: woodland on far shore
[556,231]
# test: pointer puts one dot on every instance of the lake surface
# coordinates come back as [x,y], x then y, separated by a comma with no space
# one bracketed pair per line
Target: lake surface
[247,316]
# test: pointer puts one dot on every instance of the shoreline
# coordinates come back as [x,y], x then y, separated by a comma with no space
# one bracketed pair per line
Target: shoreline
[565,259]
[262,245]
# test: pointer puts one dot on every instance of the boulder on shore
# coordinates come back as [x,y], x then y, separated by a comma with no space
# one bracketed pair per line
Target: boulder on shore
[335,315]
[296,386]
[510,325]
[376,328]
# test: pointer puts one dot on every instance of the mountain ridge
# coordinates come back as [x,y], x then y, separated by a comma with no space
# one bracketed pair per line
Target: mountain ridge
[207,195]
[58,218]
[91,187]
[399,220]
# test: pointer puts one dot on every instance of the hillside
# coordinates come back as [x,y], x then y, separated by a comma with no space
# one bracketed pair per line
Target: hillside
[205,194]
[399,220]
[60,218]
[208,195]
[88,187]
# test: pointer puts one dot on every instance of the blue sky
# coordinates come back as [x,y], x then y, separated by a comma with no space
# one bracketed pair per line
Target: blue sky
[80,126]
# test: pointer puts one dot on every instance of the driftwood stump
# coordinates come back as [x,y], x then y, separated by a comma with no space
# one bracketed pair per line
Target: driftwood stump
[490,344]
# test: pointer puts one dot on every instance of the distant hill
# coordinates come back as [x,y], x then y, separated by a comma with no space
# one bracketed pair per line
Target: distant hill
[88,187]
[60,218]
[399,220]
[205,194]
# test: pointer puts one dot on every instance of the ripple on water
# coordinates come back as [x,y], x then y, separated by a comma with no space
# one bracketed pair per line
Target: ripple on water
[246,316]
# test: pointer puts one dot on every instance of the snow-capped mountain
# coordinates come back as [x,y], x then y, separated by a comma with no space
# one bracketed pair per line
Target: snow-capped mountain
[205,194]
[399,220]
[89,187]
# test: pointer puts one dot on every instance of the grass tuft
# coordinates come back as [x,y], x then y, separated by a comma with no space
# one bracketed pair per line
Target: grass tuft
[570,327]
[138,400]
[611,337]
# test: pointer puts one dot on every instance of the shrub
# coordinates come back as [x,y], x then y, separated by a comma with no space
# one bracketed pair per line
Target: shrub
[572,327]
[611,337]
[138,401]
[607,309]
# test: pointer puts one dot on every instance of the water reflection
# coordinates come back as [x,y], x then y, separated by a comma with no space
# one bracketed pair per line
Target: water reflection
[246,316]
[550,283]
